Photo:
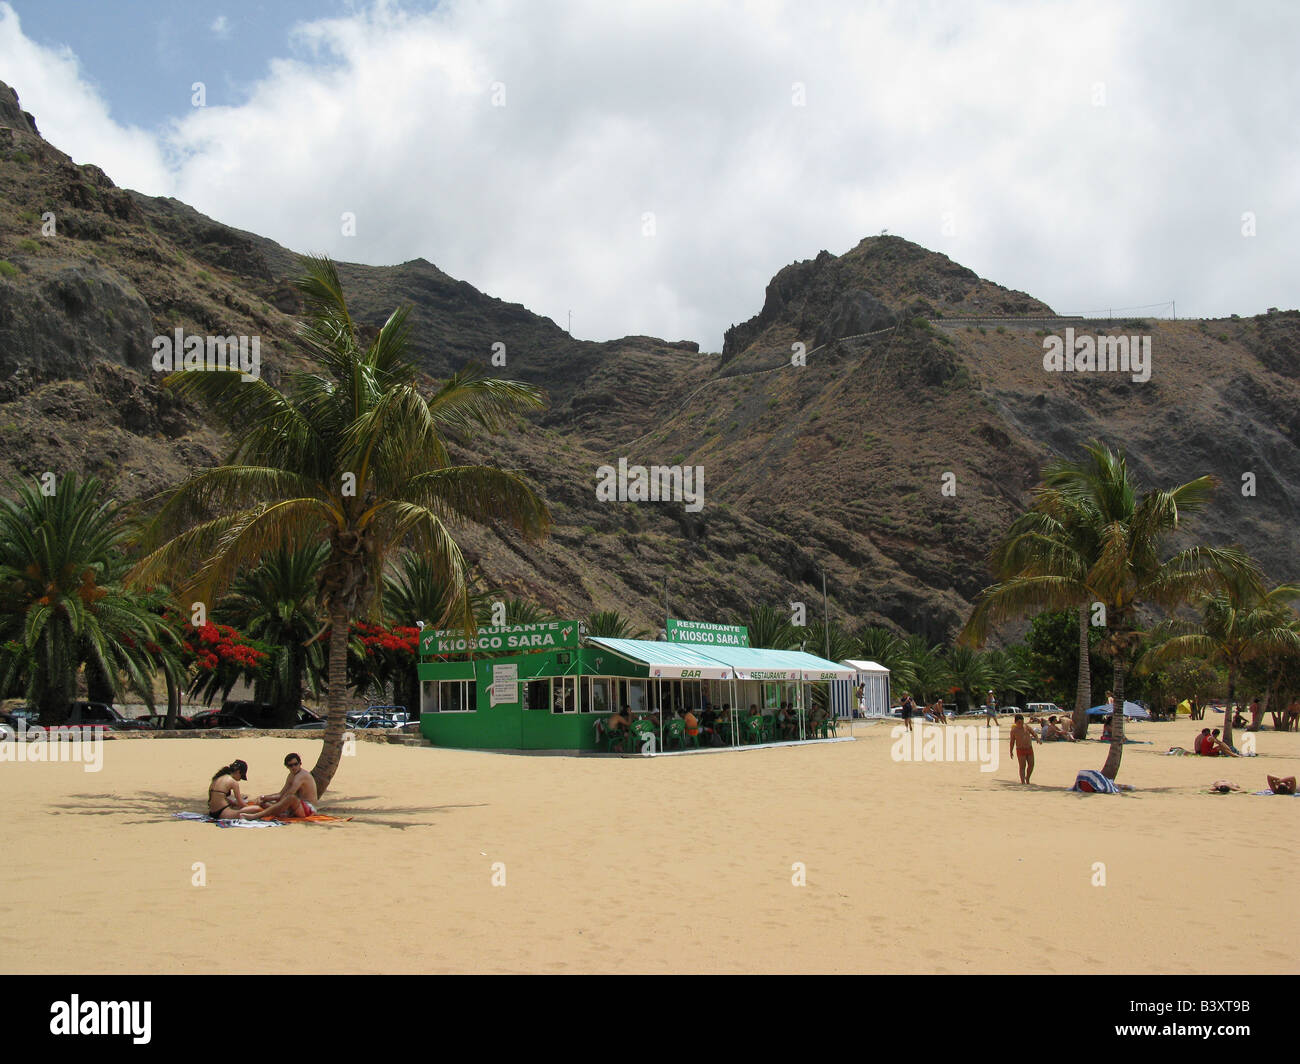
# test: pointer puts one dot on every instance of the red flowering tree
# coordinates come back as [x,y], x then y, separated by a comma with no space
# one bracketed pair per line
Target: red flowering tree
[383,659]
[218,657]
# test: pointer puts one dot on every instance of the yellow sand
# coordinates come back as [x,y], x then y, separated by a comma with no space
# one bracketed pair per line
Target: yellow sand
[680,864]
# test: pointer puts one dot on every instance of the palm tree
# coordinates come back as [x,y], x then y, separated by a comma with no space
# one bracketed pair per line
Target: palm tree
[770,628]
[885,648]
[970,672]
[929,671]
[413,593]
[275,603]
[62,604]
[819,637]
[352,455]
[1129,572]
[1046,555]
[613,625]
[1238,625]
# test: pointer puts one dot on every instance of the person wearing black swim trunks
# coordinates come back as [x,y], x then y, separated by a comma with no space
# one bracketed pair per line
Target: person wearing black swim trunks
[908,708]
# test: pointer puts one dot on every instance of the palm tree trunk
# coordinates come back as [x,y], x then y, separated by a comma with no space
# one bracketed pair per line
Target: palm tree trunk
[332,749]
[173,700]
[1227,716]
[1083,694]
[1111,769]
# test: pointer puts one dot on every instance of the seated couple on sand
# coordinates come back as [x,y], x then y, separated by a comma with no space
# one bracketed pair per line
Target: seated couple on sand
[1208,744]
[297,798]
[1054,731]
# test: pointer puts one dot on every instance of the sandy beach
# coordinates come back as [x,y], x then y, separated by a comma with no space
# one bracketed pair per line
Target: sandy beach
[676,864]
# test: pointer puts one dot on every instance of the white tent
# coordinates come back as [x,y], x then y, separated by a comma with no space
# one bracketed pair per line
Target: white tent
[873,679]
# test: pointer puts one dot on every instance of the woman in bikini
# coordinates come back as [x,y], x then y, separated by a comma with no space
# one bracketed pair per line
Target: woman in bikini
[224,800]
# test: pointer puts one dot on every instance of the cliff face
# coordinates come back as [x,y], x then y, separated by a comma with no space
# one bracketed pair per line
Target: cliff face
[892,461]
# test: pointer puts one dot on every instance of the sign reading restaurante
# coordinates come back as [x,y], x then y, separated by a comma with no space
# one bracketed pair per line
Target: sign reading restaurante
[545,635]
[717,635]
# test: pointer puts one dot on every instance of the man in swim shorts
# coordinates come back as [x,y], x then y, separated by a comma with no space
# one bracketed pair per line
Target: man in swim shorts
[298,796]
[1281,785]
[1022,745]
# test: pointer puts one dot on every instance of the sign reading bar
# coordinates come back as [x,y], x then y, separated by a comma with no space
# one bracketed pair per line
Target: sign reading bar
[716,635]
[545,635]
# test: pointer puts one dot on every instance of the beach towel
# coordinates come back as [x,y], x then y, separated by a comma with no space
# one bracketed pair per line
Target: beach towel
[1178,751]
[1274,794]
[1090,781]
[227,823]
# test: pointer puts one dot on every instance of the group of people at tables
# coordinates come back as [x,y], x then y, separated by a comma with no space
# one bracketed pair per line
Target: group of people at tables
[713,727]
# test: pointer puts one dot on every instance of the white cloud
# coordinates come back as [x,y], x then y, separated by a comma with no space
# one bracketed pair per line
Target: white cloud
[220,27]
[72,115]
[687,111]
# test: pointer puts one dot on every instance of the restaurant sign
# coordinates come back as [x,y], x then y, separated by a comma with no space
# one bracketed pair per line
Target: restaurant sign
[717,635]
[545,635]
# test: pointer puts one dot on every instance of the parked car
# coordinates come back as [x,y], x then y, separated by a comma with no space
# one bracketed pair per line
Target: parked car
[96,714]
[218,718]
[382,717]
[159,721]
[263,716]
[1046,709]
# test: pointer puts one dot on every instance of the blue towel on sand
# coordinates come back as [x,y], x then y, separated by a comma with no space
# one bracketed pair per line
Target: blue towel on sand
[1090,781]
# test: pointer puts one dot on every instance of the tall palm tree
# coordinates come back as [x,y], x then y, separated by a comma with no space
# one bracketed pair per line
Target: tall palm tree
[62,603]
[354,455]
[1129,572]
[275,603]
[930,674]
[819,638]
[413,593]
[1238,625]
[1046,555]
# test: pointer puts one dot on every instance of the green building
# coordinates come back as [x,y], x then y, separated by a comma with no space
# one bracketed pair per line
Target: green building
[547,687]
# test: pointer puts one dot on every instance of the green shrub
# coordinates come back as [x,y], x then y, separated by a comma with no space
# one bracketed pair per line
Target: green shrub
[32,247]
[8,269]
[204,275]
[21,157]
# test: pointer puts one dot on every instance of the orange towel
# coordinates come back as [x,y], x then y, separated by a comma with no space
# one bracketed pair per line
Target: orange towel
[315,818]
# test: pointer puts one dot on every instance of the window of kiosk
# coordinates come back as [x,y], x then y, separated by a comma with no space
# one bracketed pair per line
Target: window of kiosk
[429,696]
[634,695]
[456,696]
[537,694]
[598,695]
[564,694]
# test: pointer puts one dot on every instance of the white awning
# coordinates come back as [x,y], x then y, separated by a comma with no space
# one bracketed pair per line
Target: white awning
[666,661]
[865,666]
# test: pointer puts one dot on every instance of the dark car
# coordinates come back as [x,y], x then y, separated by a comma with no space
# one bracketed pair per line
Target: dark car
[159,721]
[218,718]
[101,714]
[263,716]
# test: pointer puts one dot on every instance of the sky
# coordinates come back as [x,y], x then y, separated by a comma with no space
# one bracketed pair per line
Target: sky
[648,165]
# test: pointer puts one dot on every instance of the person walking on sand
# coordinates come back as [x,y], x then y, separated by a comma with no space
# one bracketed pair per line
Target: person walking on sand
[1022,745]
[907,709]
[991,712]
[298,796]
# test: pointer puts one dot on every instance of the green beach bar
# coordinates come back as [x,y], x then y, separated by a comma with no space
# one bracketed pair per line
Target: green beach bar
[545,685]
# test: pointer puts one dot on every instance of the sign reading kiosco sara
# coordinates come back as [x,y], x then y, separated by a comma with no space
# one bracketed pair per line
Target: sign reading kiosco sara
[717,635]
[545,635]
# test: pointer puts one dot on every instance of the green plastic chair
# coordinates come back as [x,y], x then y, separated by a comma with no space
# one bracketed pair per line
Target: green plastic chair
[754,730]
[640,729]
[675,732]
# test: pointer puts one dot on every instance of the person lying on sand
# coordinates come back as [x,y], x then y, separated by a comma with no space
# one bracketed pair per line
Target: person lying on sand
[298,796]
[224,800]
[1223,786]
[1022,745]
[1281,784]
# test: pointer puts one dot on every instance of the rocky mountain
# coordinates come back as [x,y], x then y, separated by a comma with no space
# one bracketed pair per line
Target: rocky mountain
[891,460]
